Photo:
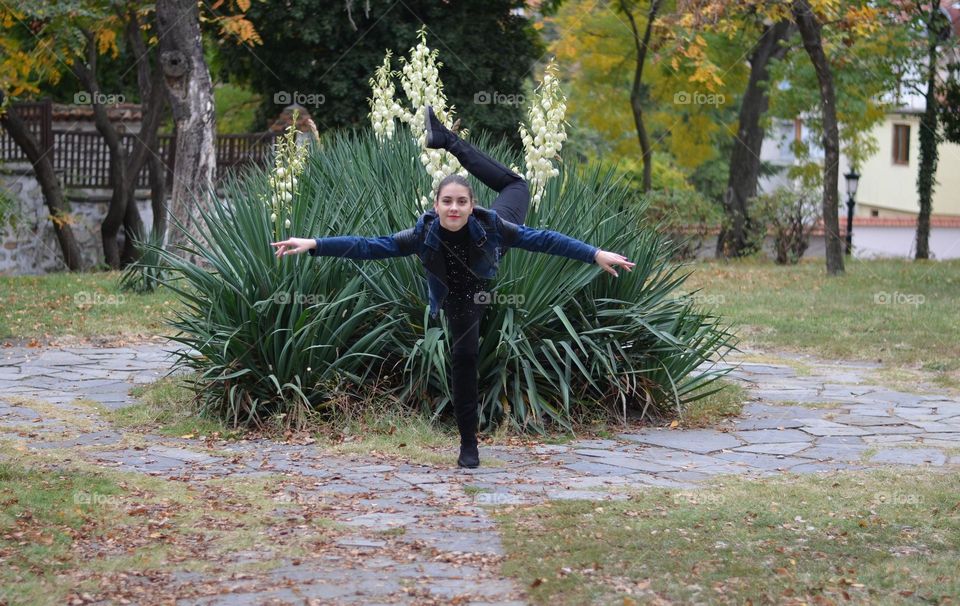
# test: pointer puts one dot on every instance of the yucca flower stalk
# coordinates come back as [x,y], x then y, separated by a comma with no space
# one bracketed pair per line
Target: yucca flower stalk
[421,83]
[290,156]
[543,139]
[383,107]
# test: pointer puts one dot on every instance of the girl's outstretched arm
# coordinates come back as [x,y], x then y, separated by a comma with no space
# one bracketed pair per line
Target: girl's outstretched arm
[556,243]
[352,247]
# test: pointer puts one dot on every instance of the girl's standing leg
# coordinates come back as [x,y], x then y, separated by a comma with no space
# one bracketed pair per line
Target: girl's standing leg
[464,322]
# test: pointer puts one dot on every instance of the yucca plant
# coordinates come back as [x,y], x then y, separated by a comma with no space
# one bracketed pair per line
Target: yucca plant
[283,336]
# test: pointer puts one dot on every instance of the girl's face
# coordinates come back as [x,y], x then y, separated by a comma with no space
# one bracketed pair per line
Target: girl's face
[453,206]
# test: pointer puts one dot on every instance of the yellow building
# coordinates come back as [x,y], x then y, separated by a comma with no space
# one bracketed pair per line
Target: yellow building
[888,182]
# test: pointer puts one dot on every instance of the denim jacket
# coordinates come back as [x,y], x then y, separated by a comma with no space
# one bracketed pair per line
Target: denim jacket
[491,236]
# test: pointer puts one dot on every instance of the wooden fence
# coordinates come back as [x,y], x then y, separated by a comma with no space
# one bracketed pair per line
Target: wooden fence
[83,158]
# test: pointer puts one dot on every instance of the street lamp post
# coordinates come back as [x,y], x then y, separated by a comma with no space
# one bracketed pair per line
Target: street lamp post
[853,180]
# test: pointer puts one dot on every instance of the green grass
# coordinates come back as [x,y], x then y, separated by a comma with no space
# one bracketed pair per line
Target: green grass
[800,308]
[861,538]
[167,406]
[81,305]
[711,409]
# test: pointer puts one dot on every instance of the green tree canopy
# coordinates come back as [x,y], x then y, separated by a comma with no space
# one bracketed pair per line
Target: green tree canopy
[313,48]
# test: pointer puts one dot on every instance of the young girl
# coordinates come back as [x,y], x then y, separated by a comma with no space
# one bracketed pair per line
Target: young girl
[460,245]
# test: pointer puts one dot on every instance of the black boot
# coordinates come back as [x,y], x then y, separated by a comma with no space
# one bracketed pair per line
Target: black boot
[469,453]
[438,136]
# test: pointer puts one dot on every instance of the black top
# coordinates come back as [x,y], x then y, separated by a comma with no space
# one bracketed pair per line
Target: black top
[462,282]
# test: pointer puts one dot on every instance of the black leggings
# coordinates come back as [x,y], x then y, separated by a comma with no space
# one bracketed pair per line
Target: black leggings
[463,317]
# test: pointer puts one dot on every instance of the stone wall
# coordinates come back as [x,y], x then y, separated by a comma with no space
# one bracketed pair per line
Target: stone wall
[32,248]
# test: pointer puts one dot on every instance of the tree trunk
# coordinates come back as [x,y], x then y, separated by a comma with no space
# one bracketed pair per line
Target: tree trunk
[120,201]
[638,93]
[745,157]
[929,154]
[145,146]
[810,32]
[49,185]
[190,92]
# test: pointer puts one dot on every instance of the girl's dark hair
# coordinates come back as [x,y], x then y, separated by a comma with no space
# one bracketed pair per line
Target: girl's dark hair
[455,178]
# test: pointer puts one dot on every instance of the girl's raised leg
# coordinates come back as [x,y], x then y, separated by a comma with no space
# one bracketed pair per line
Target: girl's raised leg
[513,197]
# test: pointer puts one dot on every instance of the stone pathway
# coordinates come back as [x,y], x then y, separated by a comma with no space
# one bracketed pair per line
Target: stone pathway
[414,534]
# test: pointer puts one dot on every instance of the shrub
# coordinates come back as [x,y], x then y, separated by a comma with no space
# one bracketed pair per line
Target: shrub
[790,217]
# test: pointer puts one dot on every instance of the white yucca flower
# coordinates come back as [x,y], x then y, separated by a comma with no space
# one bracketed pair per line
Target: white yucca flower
[290,157]
[543,138]
[383,107]
[420,80]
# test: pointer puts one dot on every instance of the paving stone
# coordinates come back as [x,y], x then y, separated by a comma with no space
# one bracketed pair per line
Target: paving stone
[700,441]
[588,444]
[888,439]
[936,427]
[381,520]
[868,420]
[360,542]
[820,427]
[770,436]
[781,448]
[895,430]
[181,454]
[857,440]
[909,456]
[597,468]
[95,438]
[419,478]
[634,463]
[455,541]
[760,461]
[549,449]
[375,468]
[679,459]
[838,452]
[952,442]
[767,423]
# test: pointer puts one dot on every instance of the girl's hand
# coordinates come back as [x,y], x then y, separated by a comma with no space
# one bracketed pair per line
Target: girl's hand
[294,246]
[607,260]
